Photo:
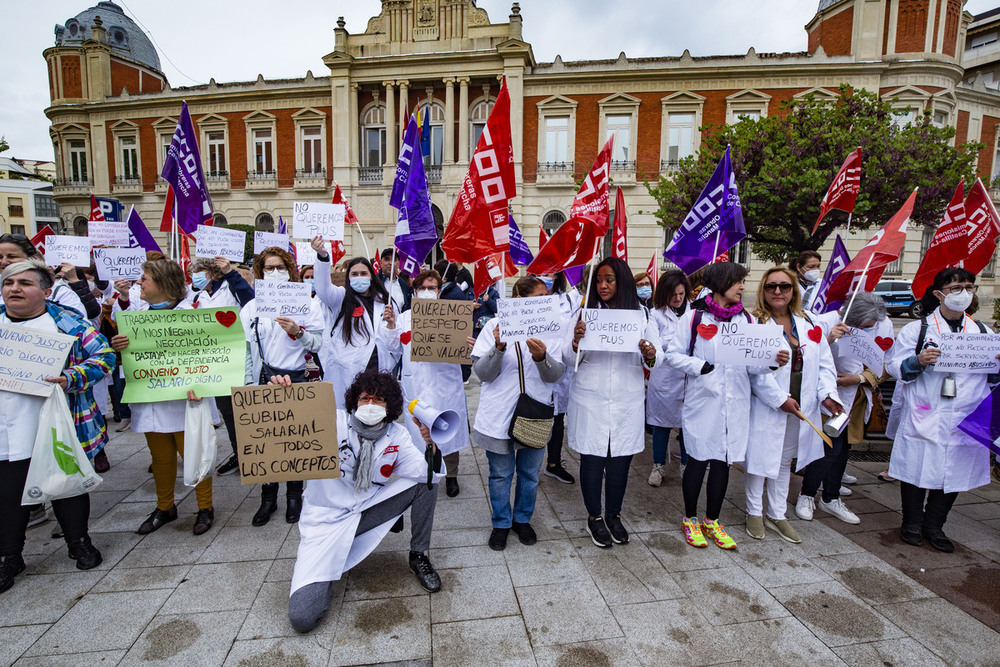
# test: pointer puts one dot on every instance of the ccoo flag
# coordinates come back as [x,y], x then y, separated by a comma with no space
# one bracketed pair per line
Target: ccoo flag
[984,227]
[138,234]
[843,192]
[416,233]
[949,247]
[838,262]
[519,250]
[182,170]
[983,423]
[715,221]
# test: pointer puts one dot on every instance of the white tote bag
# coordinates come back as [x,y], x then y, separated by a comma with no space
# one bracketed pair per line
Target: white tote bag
[199,442]
[59,467]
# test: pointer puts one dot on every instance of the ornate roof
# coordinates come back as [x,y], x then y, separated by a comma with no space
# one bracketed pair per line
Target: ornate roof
[124,37]
[824,4]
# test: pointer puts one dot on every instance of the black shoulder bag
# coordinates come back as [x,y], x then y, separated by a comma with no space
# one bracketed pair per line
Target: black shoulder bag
[531,425]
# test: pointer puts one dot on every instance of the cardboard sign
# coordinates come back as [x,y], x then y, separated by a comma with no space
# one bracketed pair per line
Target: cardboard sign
[264,240]
[744,344]
[72,249]
[219,242]
[119,263]
[274,299]
[171,351]
[311,219]
[286,433]
[612,330]
[530,317]
[109,234]
[967,352]
[28,356]
[304,253]
[861,345]
[438,329]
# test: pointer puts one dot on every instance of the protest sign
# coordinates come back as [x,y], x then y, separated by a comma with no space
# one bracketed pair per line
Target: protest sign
[109,234]
[967,352]
[72,249]
[530,317]
[171,351]
[264,240]
[219,242]
[861,345]
[438,329]
[282,299]
[286,433]
[119,263]
[745,344]
[28,356]
[304,254]
[612,330]
[314,219]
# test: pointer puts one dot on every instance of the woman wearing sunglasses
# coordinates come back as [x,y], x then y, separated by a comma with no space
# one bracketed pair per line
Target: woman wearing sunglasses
[776,438]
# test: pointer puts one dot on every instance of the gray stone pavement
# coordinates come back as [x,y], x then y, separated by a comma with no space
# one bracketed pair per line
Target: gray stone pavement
[848,595]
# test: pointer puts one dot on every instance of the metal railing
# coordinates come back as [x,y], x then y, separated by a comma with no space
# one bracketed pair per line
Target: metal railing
[555,167]
[262,175]
[669,165]
[215,176]
[623,165]
[128,180]
[74,182]
[318,172]
[370,175]
[434,173]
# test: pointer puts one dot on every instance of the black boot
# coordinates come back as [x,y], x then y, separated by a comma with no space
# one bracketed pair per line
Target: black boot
[10,567]
[84,553]
[293,508]
[912,501]
[936,513]
[268,504]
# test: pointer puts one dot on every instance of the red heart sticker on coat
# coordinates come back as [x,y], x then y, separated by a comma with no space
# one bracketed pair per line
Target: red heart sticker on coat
[884,343]
[816,334]
[359,311]
[404,337]
[386,470]
[707,331]
[225,317]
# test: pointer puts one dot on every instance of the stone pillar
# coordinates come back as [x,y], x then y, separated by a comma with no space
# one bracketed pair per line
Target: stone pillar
[390,123]
[355,126]
[463,120]
[404,103]
[449,121]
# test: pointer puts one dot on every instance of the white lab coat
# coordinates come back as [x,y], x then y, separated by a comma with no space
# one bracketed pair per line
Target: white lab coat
[607,398]
[767,426]
[853,366]
[568,303]
[665,391]
[929,450]
[716,414]
[438,385]
[331,511]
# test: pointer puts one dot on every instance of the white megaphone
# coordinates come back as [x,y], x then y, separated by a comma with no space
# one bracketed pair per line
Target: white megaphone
[444,424]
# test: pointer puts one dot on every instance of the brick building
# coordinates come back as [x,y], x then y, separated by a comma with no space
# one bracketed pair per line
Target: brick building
[268,143]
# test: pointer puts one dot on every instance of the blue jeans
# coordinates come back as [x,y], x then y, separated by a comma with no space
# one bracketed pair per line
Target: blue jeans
[661,440]
[526,461]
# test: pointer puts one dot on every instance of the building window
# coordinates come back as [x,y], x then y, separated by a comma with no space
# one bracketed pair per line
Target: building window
[680,137]
[991,269]
[219,220]
[436,124]
[904,117]
[46,206]
[477,121]
[556,139]
[78,161]
[15,207]
[263,150]
[746,105]
[896,268]
[980,41]
[620,127]
[217,165]
[264,223]
[619,113]
[373,137]
[17,229]
[128,153]
[741,253]
[312,149]
[552,221]
[925,240]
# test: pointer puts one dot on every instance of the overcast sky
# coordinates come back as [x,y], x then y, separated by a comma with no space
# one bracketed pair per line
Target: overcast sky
[197,40]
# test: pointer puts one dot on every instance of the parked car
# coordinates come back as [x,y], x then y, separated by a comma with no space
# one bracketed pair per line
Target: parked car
[898,297]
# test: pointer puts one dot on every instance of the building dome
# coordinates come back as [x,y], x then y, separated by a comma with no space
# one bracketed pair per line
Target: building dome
[124,37]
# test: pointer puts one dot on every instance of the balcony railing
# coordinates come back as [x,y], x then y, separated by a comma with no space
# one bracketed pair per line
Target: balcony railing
[310,179]
[669,165]
[216,176]
[370,176]
[15,211]
[128,180]
[555,167]
[127,185]
[434,173]
[623,165]
[73,186]
[262,180]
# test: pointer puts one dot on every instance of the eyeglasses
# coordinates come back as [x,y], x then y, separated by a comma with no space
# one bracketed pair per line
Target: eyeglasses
[955,289]
[4,238]
[785,288]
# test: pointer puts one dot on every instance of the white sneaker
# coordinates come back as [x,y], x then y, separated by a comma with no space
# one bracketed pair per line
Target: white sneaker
[804,507]
[845,490]
[848,479]
[124,425]
[656,476]
[839,510]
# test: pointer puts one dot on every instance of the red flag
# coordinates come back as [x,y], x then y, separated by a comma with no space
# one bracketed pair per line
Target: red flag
[543,238]
[619,240]
[950,244]
[167,219]
[337,251]
[652,271]
[882,250]
[487,271]
[478,226]
[185,256]
[843,192]
[338,198]
[38,240]
[591,202]
[984,227]
[96,215]
[723,257]
[377,261]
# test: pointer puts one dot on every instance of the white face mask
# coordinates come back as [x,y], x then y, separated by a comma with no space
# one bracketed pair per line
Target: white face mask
[811,276]
[370,414]
[427,294]
[278,276]
[958,302]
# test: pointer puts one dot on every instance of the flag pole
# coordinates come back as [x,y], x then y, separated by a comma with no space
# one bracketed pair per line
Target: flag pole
[363,242]
[861,283]
[586,293]
[849,216]
[718,235]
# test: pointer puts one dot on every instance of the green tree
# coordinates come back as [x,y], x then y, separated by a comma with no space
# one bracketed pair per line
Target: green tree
[784,164]
[249,229]
[3,144]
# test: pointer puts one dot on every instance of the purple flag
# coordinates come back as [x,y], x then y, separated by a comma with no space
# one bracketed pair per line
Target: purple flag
[403,163]
[574,274]
[416,233]
[182,169]
[282,225]
[139,236]
[519,251]
[838,260]
[713,225]
[407,265]
[983,423]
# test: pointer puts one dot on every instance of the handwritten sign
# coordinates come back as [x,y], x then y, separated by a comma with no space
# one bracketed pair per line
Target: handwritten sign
[171,351]
[861,345]
[119,263]
[286,433]
[264,240]
[28,356]
[311,219]
[967,353]
[110,234]
[531,317]
[439,328]
[745,344]
[72,249]
[304,253]
[612,330]
[219,242]
[275,299]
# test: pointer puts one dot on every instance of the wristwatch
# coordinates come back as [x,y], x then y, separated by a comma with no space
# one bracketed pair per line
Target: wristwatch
[301,332]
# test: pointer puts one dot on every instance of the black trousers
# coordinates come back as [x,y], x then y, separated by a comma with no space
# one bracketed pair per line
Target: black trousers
[917,515]
[292,490]
[225,405]
[611,472]
[828,470]
[715,491]
[72,513]
[556,440]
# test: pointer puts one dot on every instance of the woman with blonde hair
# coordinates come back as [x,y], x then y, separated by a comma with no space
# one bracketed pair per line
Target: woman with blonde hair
[776,438]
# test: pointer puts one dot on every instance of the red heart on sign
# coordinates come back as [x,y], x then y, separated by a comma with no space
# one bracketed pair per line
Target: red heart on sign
[707,331]
[225,317]
[816,334]
[359,311]
[884,343]
[404,337]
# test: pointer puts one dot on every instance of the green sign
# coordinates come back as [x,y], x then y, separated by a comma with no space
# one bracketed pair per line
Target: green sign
[171,351]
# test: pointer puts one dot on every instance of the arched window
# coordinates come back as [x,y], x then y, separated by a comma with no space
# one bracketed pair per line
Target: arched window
[552,221]
[80,226]
[373,137]
[436,123]
[220,220]
[264,223]
[477,123]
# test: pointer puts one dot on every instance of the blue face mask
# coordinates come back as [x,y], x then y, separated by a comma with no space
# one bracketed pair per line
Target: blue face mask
[548,282]
[160,306]
[360,284]
[199,279]
[644,292]
[309,281]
